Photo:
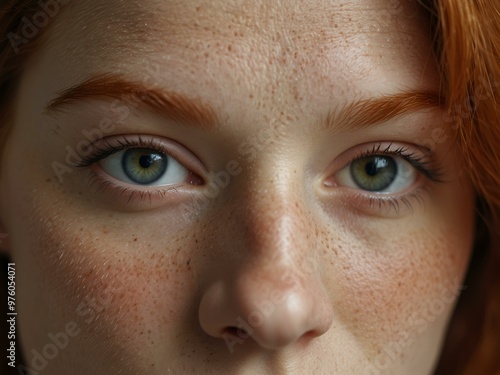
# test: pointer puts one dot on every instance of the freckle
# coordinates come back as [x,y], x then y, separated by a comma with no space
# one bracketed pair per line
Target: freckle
[229,48]
[48,180]
[135,239]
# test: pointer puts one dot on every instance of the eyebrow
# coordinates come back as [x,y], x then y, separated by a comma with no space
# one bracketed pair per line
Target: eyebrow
[366,112]
[178,107]
[172,105]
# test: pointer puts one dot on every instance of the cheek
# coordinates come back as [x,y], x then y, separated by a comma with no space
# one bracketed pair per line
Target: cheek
[128,295]
[117,285]
[402,283]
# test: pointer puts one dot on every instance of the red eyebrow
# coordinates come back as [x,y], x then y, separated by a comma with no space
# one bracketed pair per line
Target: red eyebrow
[366,112]
[174,106]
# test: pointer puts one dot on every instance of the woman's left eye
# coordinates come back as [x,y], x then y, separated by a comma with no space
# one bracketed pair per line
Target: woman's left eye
[144,166]
[378,174]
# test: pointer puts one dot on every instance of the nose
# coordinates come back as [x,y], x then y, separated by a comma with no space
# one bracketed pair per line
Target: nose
[275,311]
[275,296]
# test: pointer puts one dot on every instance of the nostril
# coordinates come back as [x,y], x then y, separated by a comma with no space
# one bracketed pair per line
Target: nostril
[306,338]
[235,331]
[311,334]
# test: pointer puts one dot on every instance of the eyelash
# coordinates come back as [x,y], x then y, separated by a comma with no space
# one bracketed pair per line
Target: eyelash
[106,147]
[423,166]
[418,162]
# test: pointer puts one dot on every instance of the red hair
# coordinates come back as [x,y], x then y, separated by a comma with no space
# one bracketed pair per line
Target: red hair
[467,44]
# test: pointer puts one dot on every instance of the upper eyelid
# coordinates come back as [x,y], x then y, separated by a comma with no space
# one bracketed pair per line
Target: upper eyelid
[413,160]
[379,148]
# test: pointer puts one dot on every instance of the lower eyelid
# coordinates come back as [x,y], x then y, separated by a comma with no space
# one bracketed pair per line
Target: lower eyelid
[366,203]
[119,194]
[387,205]
[99,172]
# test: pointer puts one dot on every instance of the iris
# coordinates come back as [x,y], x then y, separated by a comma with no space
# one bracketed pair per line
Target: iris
[374,173]
[144,166]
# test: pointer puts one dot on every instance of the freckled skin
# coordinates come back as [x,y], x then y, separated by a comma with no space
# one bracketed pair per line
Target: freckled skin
[321,283]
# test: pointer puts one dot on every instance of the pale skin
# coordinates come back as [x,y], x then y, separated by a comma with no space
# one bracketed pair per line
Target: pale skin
[325,276]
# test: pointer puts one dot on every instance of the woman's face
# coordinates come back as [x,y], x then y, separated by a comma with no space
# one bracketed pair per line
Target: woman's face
[234,187]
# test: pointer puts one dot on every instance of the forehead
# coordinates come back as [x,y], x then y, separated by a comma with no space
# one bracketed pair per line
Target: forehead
[311,51]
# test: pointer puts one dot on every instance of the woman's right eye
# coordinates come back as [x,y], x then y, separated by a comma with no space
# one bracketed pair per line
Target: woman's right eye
[145,167]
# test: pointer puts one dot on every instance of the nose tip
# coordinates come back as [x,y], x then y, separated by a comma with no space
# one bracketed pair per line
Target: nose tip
[273,314]
[277,324]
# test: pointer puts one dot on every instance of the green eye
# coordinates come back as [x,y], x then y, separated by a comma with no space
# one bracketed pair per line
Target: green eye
[374,173]
[378,174]
[144,166]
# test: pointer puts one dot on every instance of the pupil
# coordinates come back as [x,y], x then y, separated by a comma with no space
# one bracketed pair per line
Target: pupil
[374,167]
[371,169]
[145,161]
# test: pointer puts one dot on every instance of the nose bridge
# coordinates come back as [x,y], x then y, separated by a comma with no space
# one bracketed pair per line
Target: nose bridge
[275,219]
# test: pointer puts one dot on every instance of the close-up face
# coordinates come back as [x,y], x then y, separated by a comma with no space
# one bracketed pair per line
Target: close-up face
[244,187]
